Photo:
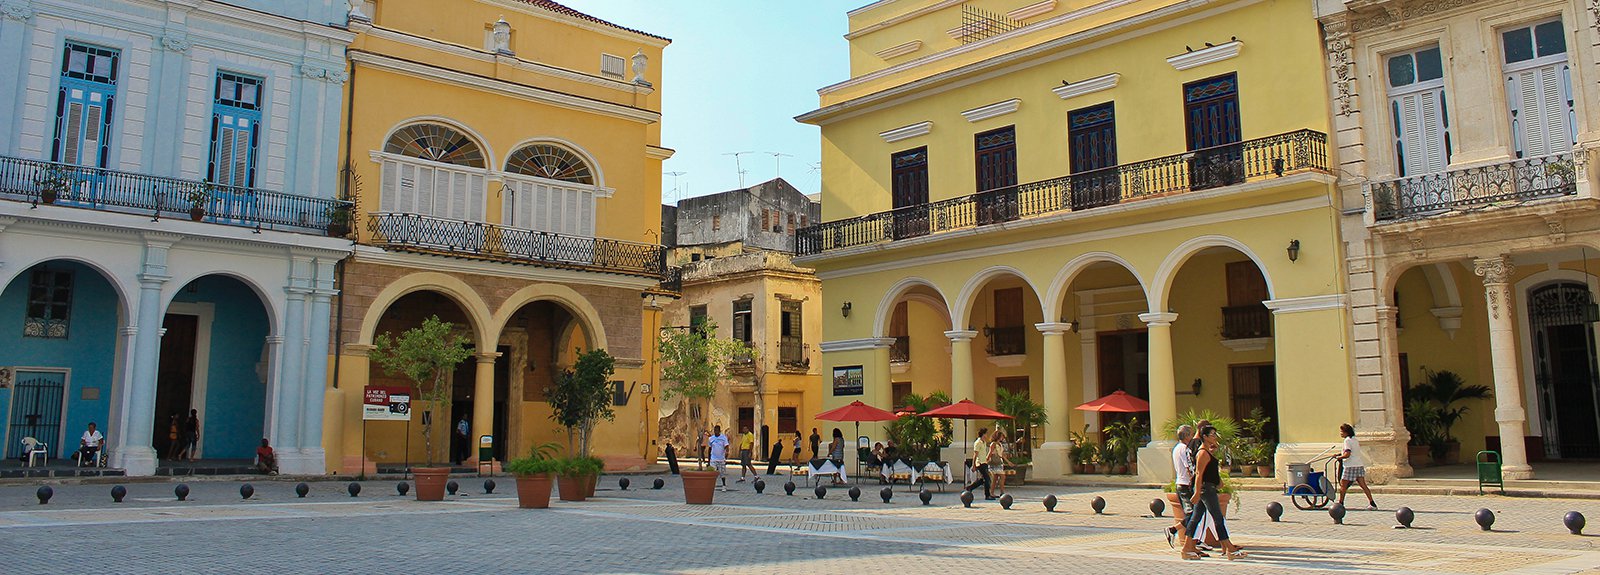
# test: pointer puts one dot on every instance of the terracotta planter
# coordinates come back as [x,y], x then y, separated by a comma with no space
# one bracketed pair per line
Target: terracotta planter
[196,213]
[338,230]
[533,491]
[699,487]
[47,196]
[1452,453]
[1102,468]
[1264,470]
[430,482]
[1419,455]
[589,484]
[1121,469]
[573,487]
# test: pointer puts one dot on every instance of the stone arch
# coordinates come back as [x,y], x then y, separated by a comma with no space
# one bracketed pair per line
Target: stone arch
[588,317]
[903,288]
[267,303]
[1161,286]
[1527,367]
[472,135]
[969,291]
[583,154]
[1063,281]
[125,302]
[450,286]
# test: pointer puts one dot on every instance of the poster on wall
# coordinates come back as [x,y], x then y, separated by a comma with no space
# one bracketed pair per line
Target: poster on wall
[848,380]
[386,404]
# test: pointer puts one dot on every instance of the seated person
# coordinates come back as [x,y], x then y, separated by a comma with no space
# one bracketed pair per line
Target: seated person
[90,444]
[877,457]
[890,453]
[266,461]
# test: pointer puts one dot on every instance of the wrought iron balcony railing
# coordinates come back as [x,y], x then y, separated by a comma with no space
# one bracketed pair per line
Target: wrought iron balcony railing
[793,355]
[1196,170]
[1006,340]
[480,240]
[1515,181]
[43,182]
[1246,321]
[900,350]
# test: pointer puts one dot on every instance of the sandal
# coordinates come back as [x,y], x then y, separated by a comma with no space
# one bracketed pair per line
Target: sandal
[1236,554]
[1192,555]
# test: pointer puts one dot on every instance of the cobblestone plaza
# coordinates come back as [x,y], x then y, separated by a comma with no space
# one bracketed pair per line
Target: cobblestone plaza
[648,531]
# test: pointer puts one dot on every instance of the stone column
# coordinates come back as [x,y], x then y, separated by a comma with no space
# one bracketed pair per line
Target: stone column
[960,363]
[316,381]
[880,378]
[290,381]
[1050,459]
[1391,437]
[1155,459]
[135,451]
[482,404]
[1496,274]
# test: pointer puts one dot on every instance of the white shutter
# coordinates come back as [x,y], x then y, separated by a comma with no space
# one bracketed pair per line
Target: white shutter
[510,195]
[91,134]
[1421,132]
[586,221]
[570,219]
[477,197]
[241,154]
[389,186]
[224,147]
[74,141]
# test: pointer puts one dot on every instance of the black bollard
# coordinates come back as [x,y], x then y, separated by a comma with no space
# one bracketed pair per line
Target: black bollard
[452,487]
[1404,516]
[44,494]
[302,489]
[925,495]
[623,482]
[117,493]
[182,491]
[1574,522]
[1337,513]
[788,488]
[354,489]
[886,493]
[402,488]
[658,483]
[760,485]
[246,490]
[966,498]
[1006,501]
[1098,504]
[1274,511]
[855,493]
[488,486]
[820,491]
[1050,503]
[1485,518]
[1158,505]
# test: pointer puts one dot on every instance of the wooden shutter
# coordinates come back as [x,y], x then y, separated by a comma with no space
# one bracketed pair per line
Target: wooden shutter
[1540,106]
[1008,307]
[1421,143]
[389,187]
[898,321]
[73,143]
[1246,286]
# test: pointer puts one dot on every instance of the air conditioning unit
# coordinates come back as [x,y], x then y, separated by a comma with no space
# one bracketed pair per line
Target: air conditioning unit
[778,229]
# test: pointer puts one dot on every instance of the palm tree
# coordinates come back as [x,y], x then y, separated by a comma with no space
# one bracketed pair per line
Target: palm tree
[1446,388]
[918,436]
[1025,413]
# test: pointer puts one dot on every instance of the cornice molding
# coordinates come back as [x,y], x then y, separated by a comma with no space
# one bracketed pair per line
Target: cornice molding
[906,132]
[1090,86]
[512,60]
[502,87]
[375,255]
[996,109]
[900,49]
[1307,303]
[1208,55]
[857,344]
[19,11]
[1373,14]
[658,152]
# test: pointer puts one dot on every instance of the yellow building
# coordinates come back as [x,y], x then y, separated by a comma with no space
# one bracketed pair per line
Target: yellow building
[1467,136]
[504,157]
[736,250]
[1075,199]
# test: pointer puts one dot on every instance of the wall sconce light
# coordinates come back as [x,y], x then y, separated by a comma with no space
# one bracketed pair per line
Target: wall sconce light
[845,309]
[1197,386]
[1294,250]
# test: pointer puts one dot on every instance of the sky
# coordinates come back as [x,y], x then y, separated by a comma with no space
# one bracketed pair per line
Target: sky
[736,75]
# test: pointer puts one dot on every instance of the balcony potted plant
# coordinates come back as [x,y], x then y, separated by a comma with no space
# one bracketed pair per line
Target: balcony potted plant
[694,362]
[534,475]
[427,355]
[197,196]
[580,398]
[51,182]
[338,220]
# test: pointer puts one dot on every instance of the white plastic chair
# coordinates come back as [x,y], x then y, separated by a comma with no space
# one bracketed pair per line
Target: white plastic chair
[32,448]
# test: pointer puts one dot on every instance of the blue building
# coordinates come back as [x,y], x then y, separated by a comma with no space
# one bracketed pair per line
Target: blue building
[171,221]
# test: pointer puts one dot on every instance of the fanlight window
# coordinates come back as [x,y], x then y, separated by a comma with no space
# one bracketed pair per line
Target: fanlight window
[551,162]
[437,143]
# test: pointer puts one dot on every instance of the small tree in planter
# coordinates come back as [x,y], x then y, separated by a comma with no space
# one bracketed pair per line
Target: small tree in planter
[427,355]
[1445,389]
[197,196]
[693,363]
[1025,414]
[534,475]
[580,398]
[918,437]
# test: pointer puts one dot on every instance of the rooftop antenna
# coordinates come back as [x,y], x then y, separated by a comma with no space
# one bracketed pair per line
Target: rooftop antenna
[736,165]
[777,162]
[675,191]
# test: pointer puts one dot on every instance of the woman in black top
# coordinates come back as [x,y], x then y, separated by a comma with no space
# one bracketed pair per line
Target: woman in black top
[1208,476]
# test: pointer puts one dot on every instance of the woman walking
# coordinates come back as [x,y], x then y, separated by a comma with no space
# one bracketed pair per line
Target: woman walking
[1206,517]
[997,462]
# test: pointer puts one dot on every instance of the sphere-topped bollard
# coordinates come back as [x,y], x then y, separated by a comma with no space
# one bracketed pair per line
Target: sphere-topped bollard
[44,494]
[1006,501]
[452,487]
[788,488]
[886,493]
[1274,511]
[1337,512]
[301,489]
[658,483]
[821,491]
[182,491]
[1485,518]
[354,489]
[1157,505]
[117,493]
[1050,503]
[760,485]
[1098,504]
[624,482]
[1574,522]
[925,495]
[1404,516]
[966,498]
[855,493]
[246,490]
[402,488]
[488,486]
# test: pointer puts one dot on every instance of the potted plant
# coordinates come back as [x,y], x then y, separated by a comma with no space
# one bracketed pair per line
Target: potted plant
[1123,439]
[693,363]
[1257,448]
[338,220]
[580,398]
[1226,426]
[427,355]
[534,475]
[1089,463]
[1026,414]
[197,196]
[918,437]
[1105,454]
[51,182]
[1422,421]
[574,476]
[1445,389]
[1080,445]
[1017,469]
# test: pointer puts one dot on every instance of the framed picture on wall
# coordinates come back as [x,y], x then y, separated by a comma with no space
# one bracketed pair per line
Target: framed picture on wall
[848,380]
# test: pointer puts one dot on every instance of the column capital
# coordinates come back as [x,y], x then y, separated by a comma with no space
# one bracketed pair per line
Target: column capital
[1053,327]
[1158,319]
[275,339]
[359,349]
[1494,270]
[153,280]
[487,357]
[961,335]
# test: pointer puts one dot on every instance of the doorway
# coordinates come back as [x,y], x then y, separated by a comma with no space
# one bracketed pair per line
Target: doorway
[175,381]
[37,402]
[1565,370]
[1123,358]
[1254,386]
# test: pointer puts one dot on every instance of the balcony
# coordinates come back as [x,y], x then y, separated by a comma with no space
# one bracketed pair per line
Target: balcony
[479,240]
[41,182]
[900,350]
[1246,322]
[1202,169]
[1507,182]
[1006,340]
[793,355]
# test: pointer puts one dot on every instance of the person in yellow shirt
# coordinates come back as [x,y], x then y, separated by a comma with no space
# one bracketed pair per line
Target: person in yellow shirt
[747,444]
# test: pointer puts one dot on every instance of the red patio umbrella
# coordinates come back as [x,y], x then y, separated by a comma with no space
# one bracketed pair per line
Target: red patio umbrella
[1118,402]
[857,412]
[964,410]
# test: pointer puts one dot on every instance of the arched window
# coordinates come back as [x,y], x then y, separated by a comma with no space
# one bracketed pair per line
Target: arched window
[437,143]
[551,162]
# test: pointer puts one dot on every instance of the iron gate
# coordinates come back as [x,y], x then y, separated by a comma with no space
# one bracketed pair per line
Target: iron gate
[36,410]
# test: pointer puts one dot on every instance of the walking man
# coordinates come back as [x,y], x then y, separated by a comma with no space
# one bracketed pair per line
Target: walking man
[980,458]
[816,443]
[1185,482]
[747,447]
[718,446]
[1354,463]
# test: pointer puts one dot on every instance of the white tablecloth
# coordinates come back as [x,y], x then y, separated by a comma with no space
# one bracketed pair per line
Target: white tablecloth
[936,467]
[898,468]
[827,467]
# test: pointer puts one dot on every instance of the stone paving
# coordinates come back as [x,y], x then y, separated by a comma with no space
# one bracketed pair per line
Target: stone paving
[649,531]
